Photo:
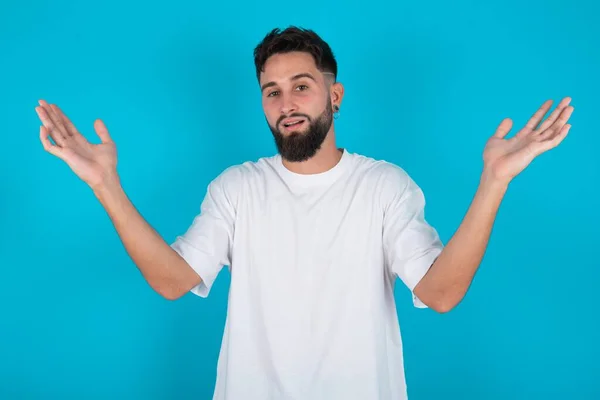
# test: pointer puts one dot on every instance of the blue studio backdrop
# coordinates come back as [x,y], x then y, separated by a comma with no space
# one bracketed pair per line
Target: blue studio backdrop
[426,84]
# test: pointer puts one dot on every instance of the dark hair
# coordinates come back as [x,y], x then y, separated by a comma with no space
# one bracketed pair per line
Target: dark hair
[295,39]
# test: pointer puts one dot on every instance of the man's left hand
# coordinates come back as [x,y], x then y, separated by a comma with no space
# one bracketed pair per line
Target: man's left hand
[506,158]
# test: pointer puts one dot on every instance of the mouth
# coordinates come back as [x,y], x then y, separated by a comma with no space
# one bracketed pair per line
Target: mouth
[292,124]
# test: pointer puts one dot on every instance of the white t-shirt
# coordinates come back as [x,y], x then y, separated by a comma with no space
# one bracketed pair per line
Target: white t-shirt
[313,260]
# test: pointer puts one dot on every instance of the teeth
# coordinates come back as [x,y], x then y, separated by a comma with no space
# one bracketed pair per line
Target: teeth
[292,123]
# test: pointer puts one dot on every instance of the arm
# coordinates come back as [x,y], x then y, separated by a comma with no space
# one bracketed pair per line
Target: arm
[448,279]
[162,267]
[95,164]
[450,276]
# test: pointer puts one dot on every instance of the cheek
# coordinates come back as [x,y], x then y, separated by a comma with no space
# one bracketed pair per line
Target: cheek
[307,97]
[312,107]
[271,111]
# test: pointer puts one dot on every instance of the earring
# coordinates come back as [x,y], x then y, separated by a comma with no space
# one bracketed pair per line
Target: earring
[336,111]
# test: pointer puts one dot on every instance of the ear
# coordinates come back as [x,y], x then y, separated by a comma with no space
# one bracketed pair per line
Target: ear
[337,94]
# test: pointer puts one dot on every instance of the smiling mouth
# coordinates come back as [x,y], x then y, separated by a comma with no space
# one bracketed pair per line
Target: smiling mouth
[293,125]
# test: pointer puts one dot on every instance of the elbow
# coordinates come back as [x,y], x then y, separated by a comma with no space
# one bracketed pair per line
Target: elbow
[437,300]
[168,291]
[171,295]
[175,288]
[444,305]
[441,301]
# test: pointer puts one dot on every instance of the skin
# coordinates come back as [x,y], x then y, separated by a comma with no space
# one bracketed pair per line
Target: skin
[450,276]
[448,279]
[283,96]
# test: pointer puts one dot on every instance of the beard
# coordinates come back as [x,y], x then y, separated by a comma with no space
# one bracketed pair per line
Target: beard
[302,145]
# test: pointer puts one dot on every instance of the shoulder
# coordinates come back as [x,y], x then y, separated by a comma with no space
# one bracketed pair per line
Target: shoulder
[392,184]
[232,179]
[236,174]
[388,175]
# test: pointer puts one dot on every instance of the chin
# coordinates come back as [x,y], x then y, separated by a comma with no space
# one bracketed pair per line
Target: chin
[295,133]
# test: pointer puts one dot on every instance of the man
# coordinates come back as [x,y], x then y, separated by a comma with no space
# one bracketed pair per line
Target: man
[314,236]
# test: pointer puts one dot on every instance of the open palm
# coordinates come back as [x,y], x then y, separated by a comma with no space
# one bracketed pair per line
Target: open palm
[93,163]
[506,158]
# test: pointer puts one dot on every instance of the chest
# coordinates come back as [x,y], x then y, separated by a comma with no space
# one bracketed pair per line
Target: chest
[317,230]
[301,255]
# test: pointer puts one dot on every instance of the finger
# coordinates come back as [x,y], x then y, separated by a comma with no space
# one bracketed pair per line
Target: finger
[57,130]
[55,118]
[537,117]
[503,129]
[554,115]
[50,126]
[102,131]
[556,139]
[556,127]
[70,128]
[48,146]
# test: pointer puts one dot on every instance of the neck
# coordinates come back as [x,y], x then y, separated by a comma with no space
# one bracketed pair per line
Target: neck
[325,159]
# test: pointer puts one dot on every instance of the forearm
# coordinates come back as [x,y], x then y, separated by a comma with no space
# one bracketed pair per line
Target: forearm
[449,278]
[161,266]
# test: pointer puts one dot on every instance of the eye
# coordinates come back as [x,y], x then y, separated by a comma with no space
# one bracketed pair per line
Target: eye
[271,94]
[302,86]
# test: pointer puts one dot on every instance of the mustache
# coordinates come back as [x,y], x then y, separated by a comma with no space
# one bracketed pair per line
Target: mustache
[292,116]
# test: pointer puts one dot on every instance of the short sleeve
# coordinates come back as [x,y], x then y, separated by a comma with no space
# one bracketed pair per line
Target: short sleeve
[411,245]
[206,245]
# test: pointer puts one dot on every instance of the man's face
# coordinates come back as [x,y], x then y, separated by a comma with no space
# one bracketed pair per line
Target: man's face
[297,104]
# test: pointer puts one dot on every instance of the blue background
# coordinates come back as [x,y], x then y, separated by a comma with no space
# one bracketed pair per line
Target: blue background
[426,84]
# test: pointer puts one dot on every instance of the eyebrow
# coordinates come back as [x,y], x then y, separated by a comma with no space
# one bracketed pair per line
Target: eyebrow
[293,78]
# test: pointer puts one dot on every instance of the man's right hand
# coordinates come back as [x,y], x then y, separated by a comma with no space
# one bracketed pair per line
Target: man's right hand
[93,163]
[164,269]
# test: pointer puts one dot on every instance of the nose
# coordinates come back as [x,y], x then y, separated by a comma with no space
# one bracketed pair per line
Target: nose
[288,105]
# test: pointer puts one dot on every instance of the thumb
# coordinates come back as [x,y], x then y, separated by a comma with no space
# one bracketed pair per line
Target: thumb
[102,131]
[503,129]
